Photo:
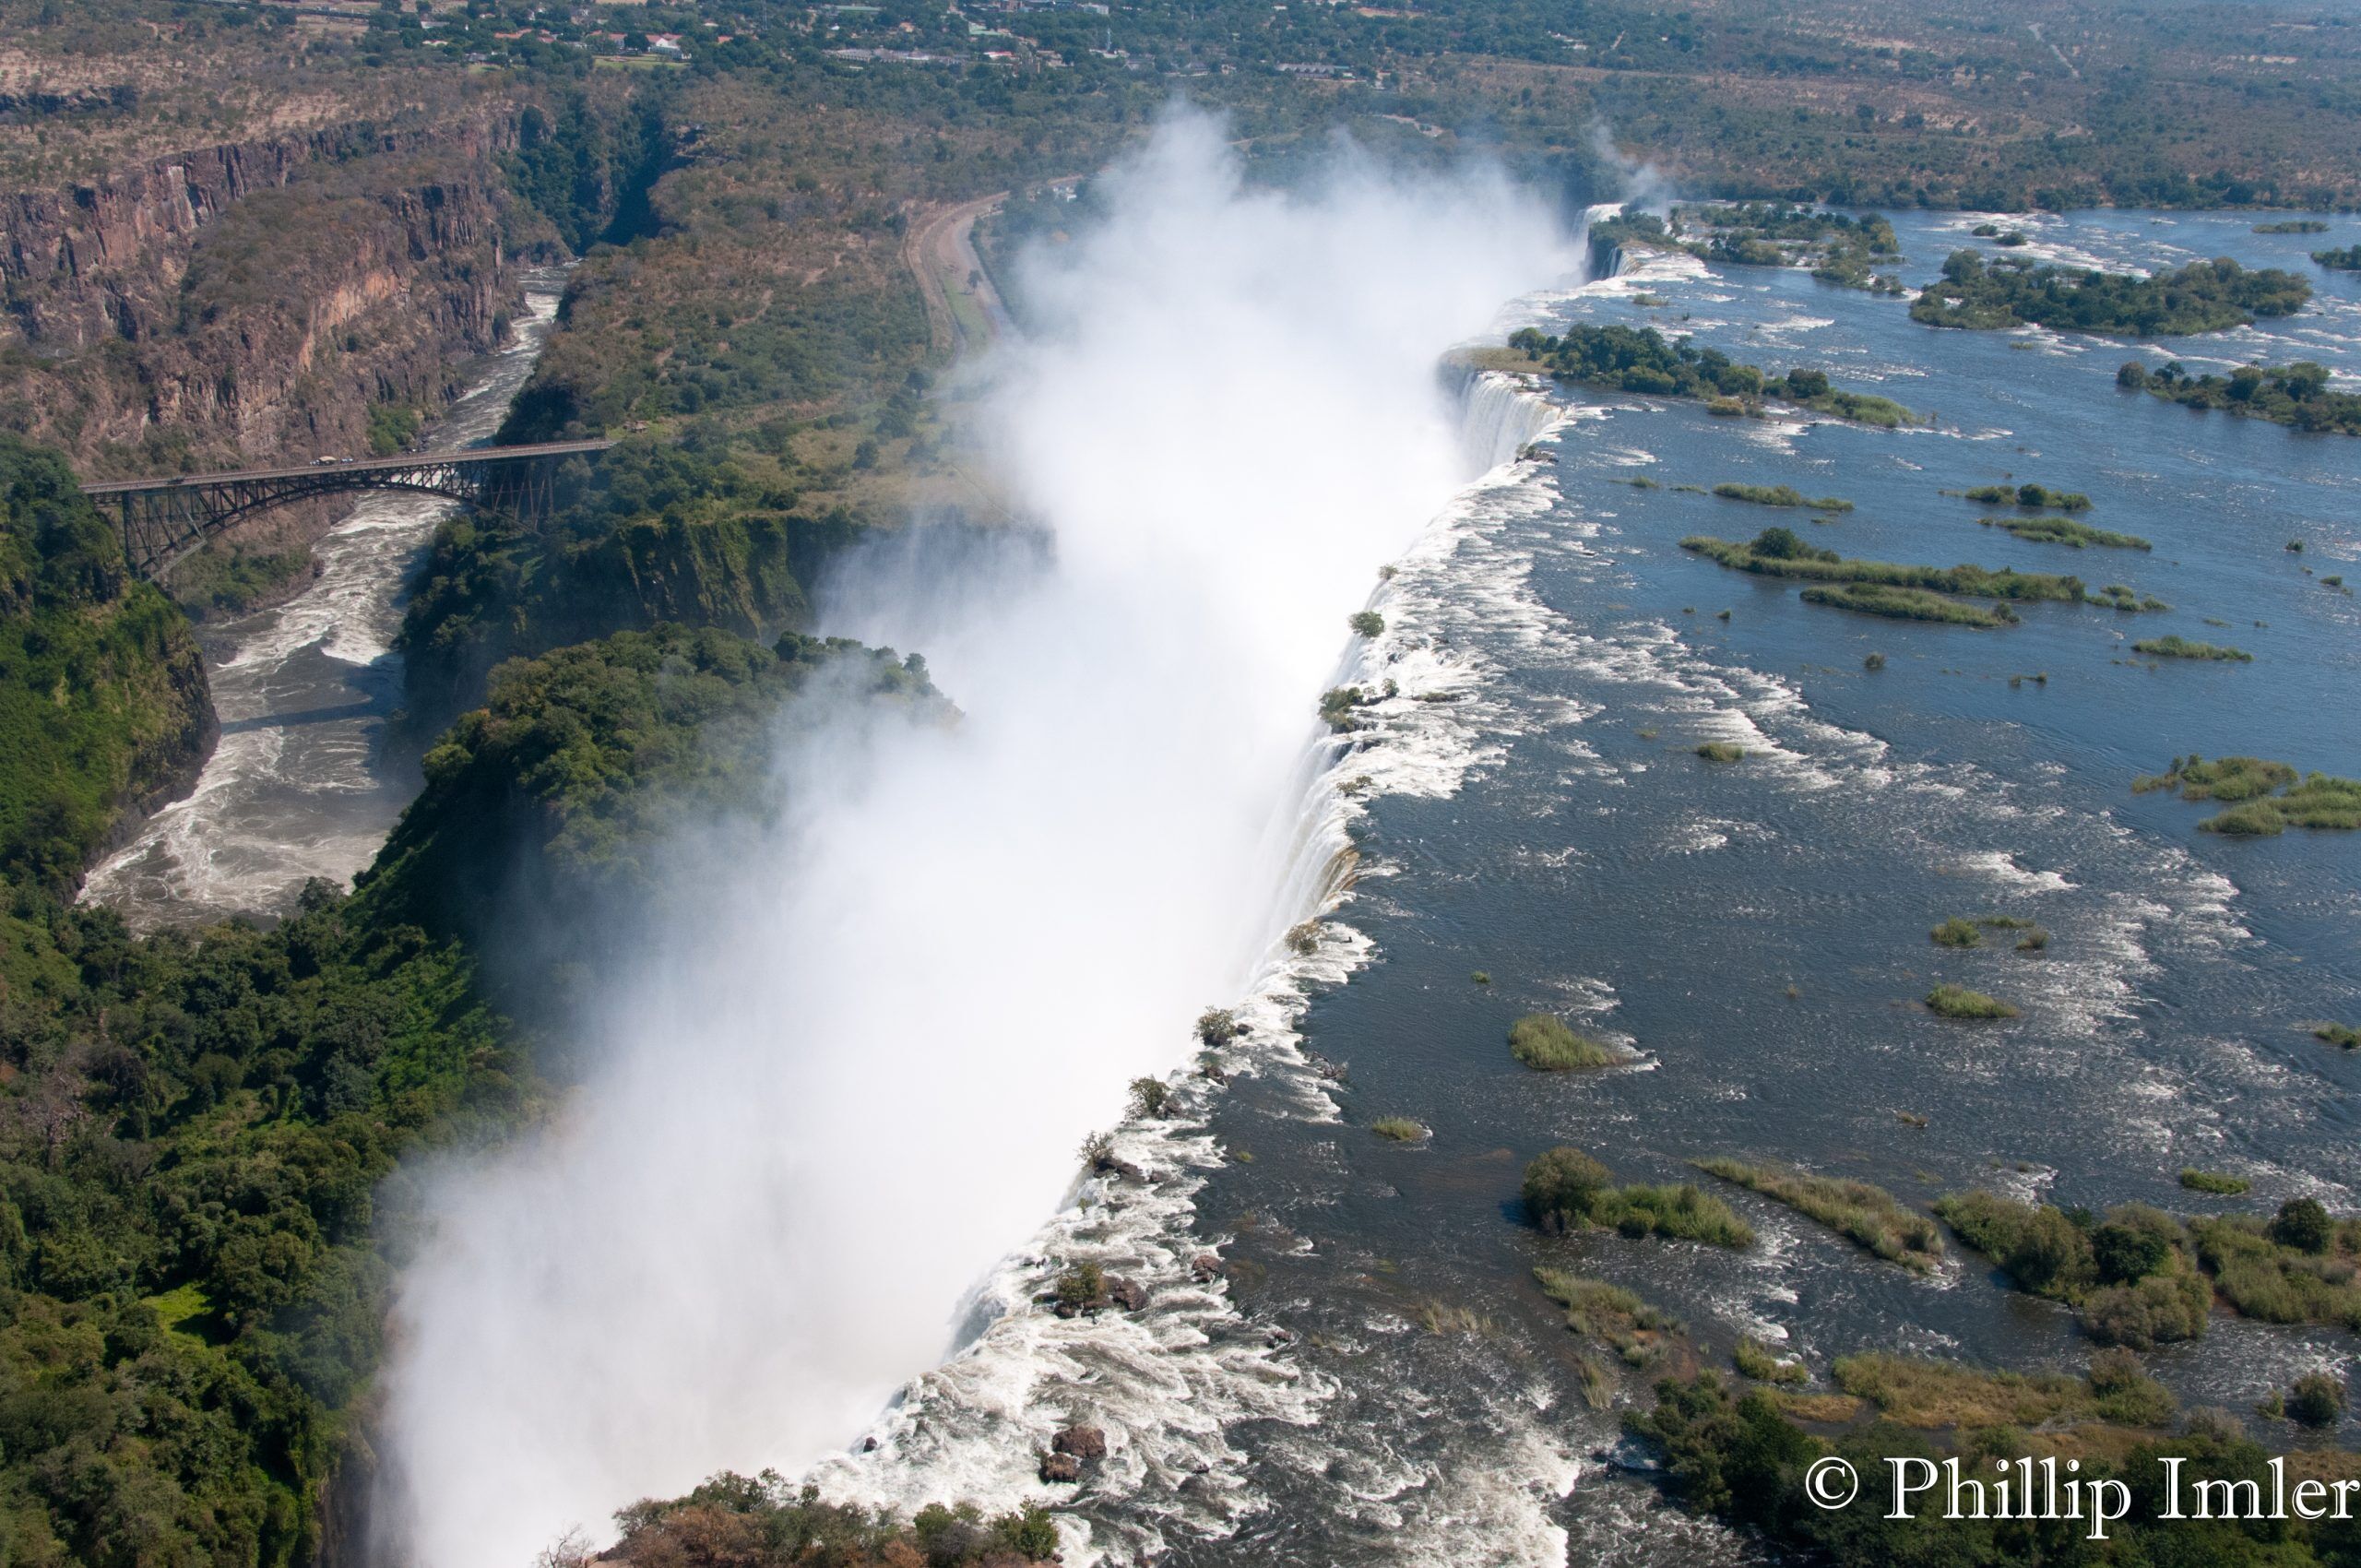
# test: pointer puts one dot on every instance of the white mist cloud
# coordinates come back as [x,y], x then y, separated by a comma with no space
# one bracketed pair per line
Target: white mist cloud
[826,1112]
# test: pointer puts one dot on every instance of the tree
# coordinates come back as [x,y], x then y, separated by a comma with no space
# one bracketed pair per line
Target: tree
[2304,1225]
[1560,1186]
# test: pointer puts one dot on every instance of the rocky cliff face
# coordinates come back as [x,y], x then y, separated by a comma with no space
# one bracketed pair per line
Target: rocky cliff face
[254,302]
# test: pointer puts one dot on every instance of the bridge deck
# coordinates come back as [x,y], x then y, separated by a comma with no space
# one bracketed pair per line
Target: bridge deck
[359,465]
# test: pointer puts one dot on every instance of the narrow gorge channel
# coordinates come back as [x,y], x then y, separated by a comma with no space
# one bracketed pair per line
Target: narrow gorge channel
[303,784]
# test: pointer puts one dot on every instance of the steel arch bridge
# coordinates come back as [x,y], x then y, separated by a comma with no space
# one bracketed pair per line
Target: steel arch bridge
[162,520]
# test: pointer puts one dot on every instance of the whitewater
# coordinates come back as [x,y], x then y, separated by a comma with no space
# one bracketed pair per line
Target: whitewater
[824,1123]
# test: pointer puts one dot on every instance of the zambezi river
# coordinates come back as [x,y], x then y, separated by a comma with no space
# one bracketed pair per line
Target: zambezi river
[1381,1381]
[302,784]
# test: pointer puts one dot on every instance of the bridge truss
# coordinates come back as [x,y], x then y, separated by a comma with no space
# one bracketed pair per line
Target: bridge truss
[162,520]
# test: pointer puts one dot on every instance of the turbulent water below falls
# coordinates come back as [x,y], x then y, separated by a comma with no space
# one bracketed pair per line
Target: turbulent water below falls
[302,784]
[1530,805]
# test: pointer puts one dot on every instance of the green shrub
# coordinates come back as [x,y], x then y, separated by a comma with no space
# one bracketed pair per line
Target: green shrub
[2304,1225]
[1956,933]
[1398,1129]
[2338,1034]
[2212,1182]
[1779,495]
[1958,1002]
[1869,1216]
[1149,1098]
[1369,623]
[1753,1360]
[1560,1186]
[2065,530]
[1547,1045]
[1567,1190]
[2316,1400]
[1216,1025]
[1721,751]
[2177,647]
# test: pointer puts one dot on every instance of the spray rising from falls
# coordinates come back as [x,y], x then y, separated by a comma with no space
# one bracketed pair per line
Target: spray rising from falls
[824,1114]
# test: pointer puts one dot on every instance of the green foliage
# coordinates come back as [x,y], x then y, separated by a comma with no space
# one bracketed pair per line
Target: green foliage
[2266,797]
[766,1520]
[2177,647]
[2213,1181]
[558,788]
[1958,1002]
[392,427]
[1957,933]
[1369,623]
[1753,1360]
[2297,1266]
[1150,1096]
[587,166]
[1779,495]
[230,580]
[1879,588]
[2297,394]
[2204,296]
[191,1293]
[1397,1128]
[655,533]
[2316,1400]
[2132,1279]
[1217,1027]
[1909,604]
[1721,751]
[2293,226]
[2343,1035]
[2345,260]
[1547,1045]
[102,692]
[1867,1214]
[1621,359]
[2036,497]
[1567,1190]
[1636,1332]
[2066,530]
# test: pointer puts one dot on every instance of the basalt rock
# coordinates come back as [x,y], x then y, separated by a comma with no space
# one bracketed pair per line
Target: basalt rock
[1081,1442]
[1060,1468]
[1127,1294]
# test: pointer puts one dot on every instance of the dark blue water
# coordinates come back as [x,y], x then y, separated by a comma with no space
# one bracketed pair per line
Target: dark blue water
[1758,931]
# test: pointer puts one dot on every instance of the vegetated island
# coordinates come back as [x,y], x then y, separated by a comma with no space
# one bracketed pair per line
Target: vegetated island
[1780,495]
[2142,1278]
[2178,647]
[2066,530]
[2033,497]
[1882,588]
[2346,260]
[1567,1190]
[2296,394]
[1642,360]
[2293,226]
[2264,798]
[2204,296]
[1868,1215]
[1547,1045]
[1958,1002]
[1838,248]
